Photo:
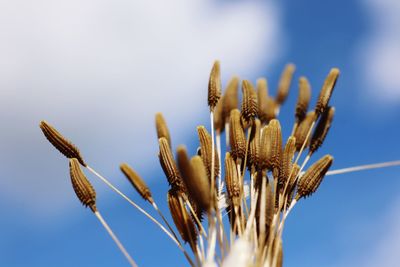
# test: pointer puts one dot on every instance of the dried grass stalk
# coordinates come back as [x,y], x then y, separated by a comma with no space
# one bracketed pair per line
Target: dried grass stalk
[169,166]
[137,182]
[162,128]
[326,91]
[61,143]
[303,99]
[284,83]
[236,136]
[206,150]
[82,187]
[214,85]
[312,178]
[322,129]
[302,130]
[249,102]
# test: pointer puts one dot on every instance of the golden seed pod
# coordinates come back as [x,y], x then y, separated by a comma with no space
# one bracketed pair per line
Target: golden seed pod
[236,136]
[312,178]
[254,147]
[61,143]
[292,183]
[214,85]
[82,187]
[249,102]
[287,161]
[232,180]
[230,100]
[284,83]
[219,119]
[302,130]
[137,182]
[206,151]
[322,129]
[271,147]
[270,109]
[200,187]
[162,128]
[326,91]
[168,165]
[303,99]
[262,95]
[181,218]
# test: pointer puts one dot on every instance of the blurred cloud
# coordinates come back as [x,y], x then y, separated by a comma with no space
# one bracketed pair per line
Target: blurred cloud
[379,57]
[99,70]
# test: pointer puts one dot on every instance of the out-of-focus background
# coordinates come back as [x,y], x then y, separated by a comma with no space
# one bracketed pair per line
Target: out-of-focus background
[100,70]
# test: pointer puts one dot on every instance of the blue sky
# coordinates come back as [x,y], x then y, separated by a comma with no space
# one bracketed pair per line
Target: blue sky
[100,70]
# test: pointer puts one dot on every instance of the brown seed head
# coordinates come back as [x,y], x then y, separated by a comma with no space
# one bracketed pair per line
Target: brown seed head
[206,151]
[181,217]
[254,149]
[249,102]
[162,128]
[322,129]
[303,99]
[82,187]
[232,180]
[236,136]
[219,119]
[137,182]
[169,166]
[230,100]
[302,130]
[312,178]
[284,83]
[270,109]
[271,147]
[326,91]
[262,94]
[61,143]
[287,158]
[214,85]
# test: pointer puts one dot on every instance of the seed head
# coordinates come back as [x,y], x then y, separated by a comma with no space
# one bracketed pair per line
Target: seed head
[322,129]
[232,180]
[287,158]
[61,143]
[82,187]
[206,151]
[162,128]
[326,91]
[303,100]
[230,100]
[302,130]
[169,166]
[137,182]
[236,136]
[284,83]
[249,102]
[214,85]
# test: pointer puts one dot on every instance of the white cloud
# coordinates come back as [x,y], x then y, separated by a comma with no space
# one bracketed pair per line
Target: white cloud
[379,58]
[99,70]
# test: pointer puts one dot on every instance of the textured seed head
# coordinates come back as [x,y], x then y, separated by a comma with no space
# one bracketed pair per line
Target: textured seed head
[181,217]
[322,129]
[326,91]
[137,182]
[274,152]
[219,119]
[169,166]
[236,136]
[284,83]
[254,149]
[312,178]
[61,143]
[303,99]
[82,187]
[232,180]
[214,85]
[249,102]
[206,151]
[162,128]
[262,94]
[270,109]
[230,100]
[302,130]
[287,158]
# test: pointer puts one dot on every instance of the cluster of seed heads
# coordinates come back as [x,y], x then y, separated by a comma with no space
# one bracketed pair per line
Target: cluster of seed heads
[262,175]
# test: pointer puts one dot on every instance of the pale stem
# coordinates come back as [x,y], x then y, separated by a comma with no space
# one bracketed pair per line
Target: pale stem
[218,140]
[364,167]
[227,134]
[116,240]
[133,204]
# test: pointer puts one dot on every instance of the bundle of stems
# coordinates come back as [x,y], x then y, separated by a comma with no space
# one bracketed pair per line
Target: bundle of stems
[231,211]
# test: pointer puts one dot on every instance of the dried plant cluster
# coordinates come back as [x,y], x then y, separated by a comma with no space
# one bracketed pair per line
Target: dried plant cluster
[230,208]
